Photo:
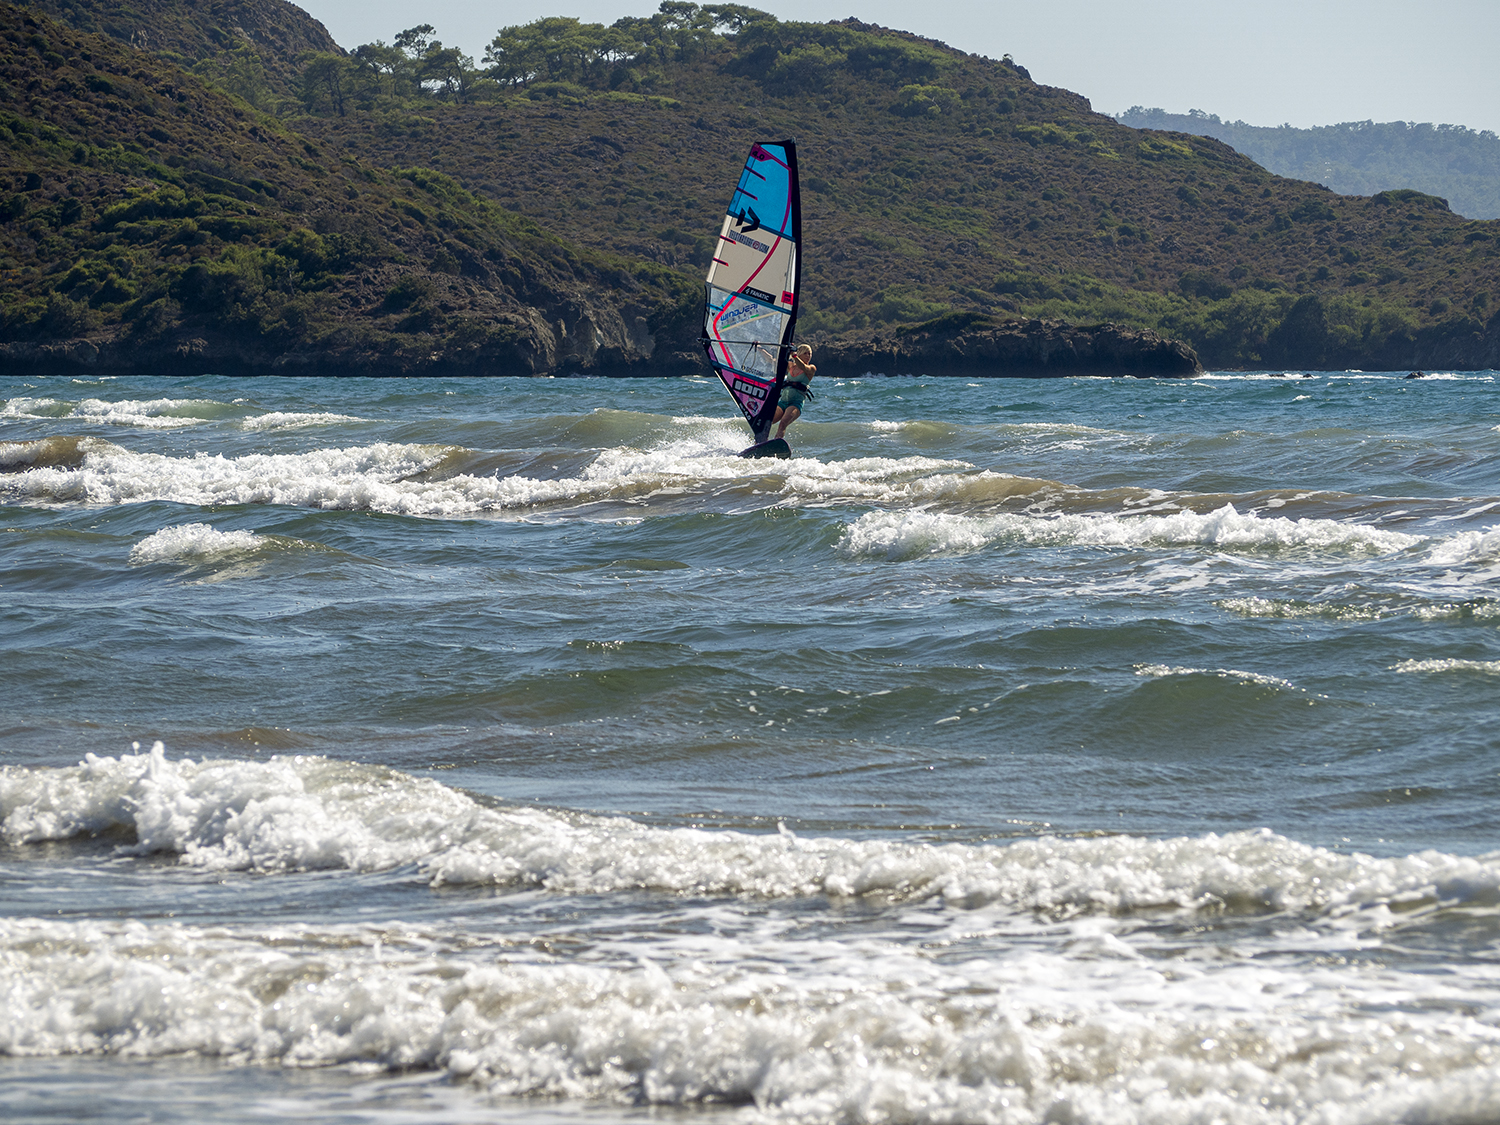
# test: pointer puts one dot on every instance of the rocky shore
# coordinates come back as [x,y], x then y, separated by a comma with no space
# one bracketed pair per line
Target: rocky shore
[599,340]
[979,348]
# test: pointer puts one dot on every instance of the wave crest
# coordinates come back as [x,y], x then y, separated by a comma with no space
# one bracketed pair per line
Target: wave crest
[905,535]
[1091,1035]
[299,813]
[192,540]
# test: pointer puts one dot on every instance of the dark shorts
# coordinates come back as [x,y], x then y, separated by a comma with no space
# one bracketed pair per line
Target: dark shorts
[792,394]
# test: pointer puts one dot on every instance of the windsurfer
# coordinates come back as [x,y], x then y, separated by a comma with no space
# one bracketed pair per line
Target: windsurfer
[795,391]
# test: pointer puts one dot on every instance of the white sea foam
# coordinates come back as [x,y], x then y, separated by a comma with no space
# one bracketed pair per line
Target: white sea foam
[1286,609]
[1248,377]
[1091,1019]
[1486,667]
[291,420]
[1467,547]
[298,813]
[903,535]
[1159,671]
[1450,611]
[1293,609]
[886,480]
[1070,428]
[27,406]
[1068,435]
[376,478]
[809,1032]
[361,477]
[154,414]
[160,413]
[192,541]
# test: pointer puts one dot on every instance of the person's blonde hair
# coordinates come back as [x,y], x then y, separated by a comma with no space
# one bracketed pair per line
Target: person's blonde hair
[803,351]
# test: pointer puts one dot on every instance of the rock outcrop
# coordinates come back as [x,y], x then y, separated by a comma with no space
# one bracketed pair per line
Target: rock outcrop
[576,336]
[1465,345]
[978,347]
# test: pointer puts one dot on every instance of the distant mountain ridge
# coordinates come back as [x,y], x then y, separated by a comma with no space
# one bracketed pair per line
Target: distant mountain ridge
[1359,157]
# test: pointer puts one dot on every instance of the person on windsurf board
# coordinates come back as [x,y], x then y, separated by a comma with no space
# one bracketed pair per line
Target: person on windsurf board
[796,390]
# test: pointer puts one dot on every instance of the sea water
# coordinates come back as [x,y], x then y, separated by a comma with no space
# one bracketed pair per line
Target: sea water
[1078,751]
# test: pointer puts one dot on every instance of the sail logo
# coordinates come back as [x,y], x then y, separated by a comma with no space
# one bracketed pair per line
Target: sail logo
[743,240]
[738,314]
[749,390]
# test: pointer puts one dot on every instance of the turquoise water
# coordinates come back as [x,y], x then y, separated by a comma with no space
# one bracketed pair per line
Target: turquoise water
[1073,750]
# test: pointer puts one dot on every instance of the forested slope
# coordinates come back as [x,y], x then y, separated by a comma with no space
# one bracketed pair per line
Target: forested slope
[151,219]
[935,183]
[255,49]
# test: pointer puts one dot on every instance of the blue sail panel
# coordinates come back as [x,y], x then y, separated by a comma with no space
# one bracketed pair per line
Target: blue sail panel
[763,198]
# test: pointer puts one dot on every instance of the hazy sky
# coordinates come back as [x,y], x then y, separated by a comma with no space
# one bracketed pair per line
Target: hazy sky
[1306,62]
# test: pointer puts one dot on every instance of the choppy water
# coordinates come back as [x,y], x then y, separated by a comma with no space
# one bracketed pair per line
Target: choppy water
[1078,751]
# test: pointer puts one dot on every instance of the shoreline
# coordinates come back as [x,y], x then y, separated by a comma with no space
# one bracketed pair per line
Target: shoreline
[972,348]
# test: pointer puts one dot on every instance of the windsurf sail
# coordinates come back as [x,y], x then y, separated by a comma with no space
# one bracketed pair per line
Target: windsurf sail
[751,306]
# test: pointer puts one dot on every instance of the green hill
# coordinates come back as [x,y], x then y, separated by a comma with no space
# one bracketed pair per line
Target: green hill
[252,48]
[1360,157]
[935,182]
[151,222]
[558,202]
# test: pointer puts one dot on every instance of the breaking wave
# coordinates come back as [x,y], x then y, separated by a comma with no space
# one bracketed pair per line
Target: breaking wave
[409,479]
[1097,1026]
[301,813]
[1096,1035]
[192,541]
[906,535]
[151,414]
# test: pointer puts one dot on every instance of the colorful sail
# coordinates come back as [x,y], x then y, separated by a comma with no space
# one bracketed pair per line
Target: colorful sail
[751,306]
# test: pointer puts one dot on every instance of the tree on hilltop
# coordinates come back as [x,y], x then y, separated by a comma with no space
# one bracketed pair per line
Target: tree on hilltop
[558,49]
[324,78]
